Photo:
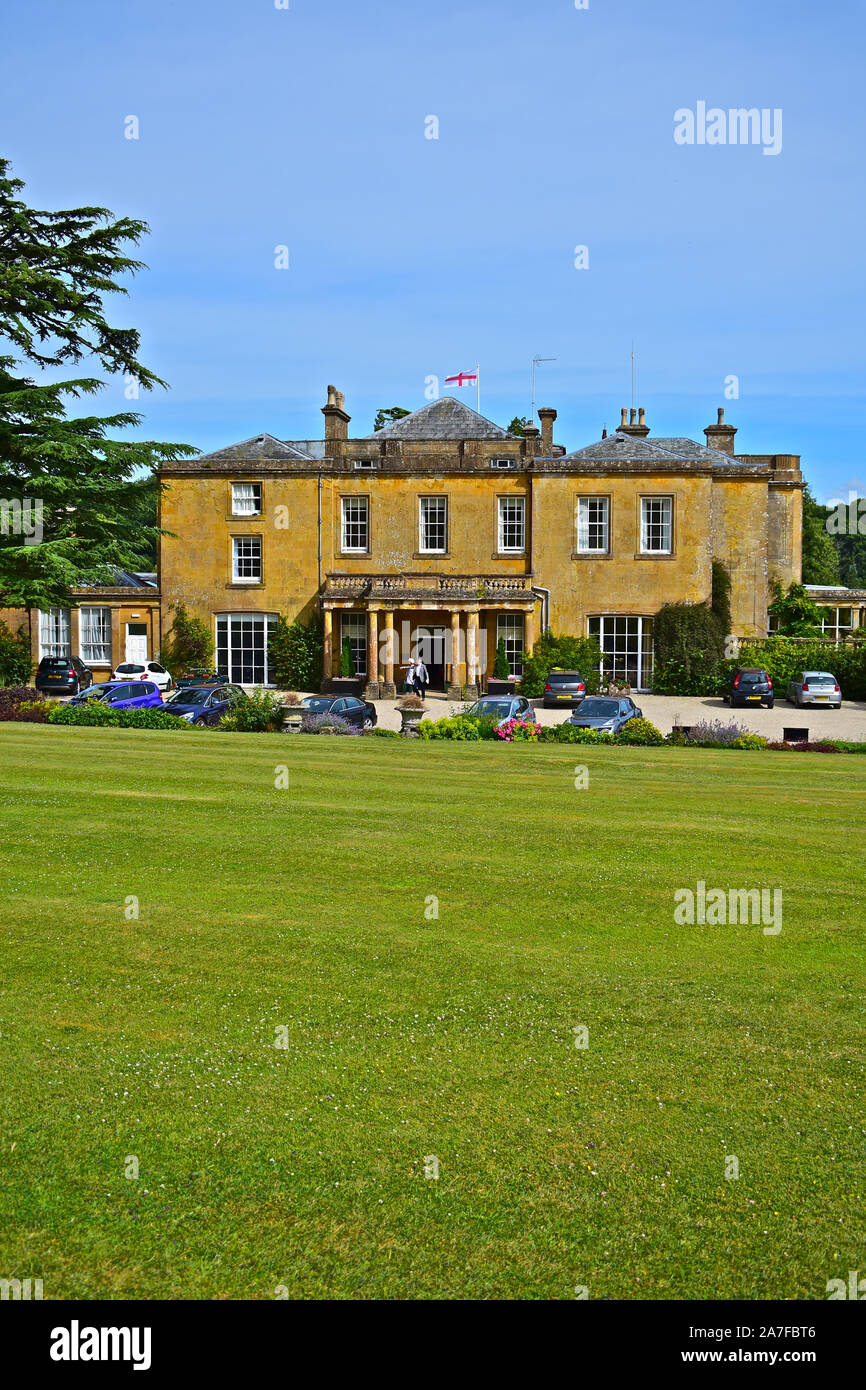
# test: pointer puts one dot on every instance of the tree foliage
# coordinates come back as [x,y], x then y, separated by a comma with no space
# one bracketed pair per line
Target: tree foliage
[295,653]
[820,557]
[95,494]
[188,642]
[388,416]
[581,654]
[796,614]
[689,645]
[16,663]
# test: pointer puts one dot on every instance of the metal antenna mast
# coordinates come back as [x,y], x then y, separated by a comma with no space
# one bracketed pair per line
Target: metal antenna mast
[535,362]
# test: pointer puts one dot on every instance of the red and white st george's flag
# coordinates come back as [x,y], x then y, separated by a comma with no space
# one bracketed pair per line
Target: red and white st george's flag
[461,379]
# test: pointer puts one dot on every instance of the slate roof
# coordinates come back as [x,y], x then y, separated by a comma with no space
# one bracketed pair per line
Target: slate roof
[446,418]
[632,447]
[260,447]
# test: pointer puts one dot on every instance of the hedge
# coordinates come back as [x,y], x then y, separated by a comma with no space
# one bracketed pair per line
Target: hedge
[97,716]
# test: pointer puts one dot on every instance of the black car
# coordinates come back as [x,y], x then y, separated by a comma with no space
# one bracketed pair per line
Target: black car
[348,707]
[62,675]
[750,685]
[563,688]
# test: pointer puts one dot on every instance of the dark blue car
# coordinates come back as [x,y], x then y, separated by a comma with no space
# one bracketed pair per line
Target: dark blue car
[202,704]
[121,695]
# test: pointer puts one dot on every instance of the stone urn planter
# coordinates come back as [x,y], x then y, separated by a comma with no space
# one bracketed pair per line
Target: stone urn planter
[412,711]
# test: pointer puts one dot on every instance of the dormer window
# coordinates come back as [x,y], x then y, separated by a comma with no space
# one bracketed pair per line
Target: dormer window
[365,464]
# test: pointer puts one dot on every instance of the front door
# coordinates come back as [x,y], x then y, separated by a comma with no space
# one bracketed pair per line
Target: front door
[431,646]
[136,642]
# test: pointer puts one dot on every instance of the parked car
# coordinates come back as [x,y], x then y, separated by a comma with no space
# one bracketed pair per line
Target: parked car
[62,675]
[501,708]
[750,685]
[143,671]
[121,695]
[563,688]
[203,704]
[609,714]
[348,707]
[201,675]
[814,688]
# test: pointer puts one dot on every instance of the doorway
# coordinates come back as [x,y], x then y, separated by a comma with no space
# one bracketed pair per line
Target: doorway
[136,643]
[430,644]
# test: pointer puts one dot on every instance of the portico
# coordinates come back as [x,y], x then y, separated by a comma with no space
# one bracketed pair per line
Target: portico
[451,621]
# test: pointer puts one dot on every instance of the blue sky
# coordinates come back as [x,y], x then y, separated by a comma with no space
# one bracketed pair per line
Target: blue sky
[412,257]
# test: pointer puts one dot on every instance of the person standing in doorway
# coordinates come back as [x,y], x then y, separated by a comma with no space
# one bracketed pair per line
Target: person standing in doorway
[420,678]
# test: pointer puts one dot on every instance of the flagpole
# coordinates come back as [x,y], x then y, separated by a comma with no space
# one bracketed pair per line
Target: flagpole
[478,386]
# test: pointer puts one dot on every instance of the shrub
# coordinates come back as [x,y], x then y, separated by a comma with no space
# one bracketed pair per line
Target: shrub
[347,661]
[796,614]
[501,668]
[456,727]
[639,733]
[720,602]
[384,733]
[315,723]
[689,642]
[16,663]
[259,713]
[188,643]
[581,654]
[21,702]
[845,745]
[713,733]
[750,741]
[821,747]
[295,654]
[94,715]
[518,731]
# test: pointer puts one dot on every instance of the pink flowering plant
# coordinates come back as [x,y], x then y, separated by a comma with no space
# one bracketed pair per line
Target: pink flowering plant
[518,731]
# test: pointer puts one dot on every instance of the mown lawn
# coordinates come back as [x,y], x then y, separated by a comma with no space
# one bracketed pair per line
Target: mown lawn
[410,1036]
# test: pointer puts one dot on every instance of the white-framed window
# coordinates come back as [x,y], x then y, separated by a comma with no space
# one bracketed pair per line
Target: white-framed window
[509,628]
[433,525]
[247,559]
[246,499]
[94,635]
[54,639]
[242,646]
[593,525]
[656,525]
[512,523]
[353,628]
[837,623]
[356,523]
[627,649]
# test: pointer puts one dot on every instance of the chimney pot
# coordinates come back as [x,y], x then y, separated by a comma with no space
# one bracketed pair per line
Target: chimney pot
[640,416]
[631,416]
[623,414]
[721,415]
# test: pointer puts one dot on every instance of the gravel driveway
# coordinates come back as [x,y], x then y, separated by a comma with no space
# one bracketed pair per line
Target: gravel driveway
[848,722]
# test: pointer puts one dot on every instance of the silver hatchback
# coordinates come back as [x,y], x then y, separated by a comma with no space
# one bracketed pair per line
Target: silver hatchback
[814,688]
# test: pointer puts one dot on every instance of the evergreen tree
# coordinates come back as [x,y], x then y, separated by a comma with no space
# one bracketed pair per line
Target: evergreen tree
[820,557]
[89,499]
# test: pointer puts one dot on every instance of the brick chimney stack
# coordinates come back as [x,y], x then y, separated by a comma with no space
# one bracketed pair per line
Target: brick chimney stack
[721,436]
[336,419]
[547,416]
[640,428]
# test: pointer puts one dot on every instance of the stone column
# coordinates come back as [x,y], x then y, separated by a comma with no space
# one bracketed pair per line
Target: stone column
[472,654]
[456,679]
[327,651]
[529,630]
[371,691]
[387,688]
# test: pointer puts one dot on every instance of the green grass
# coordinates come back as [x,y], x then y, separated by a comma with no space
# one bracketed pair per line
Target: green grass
[410,1037]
